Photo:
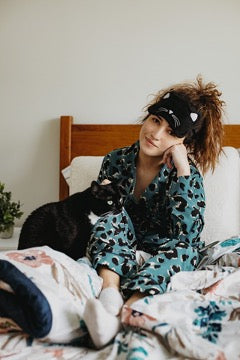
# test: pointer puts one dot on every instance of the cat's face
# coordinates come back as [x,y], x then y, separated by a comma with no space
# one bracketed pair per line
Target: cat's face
[106,198]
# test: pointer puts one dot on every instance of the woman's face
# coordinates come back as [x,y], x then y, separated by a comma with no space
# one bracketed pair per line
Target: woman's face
[156,136]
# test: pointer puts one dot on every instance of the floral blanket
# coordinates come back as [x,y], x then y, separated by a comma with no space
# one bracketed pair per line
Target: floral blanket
[43,294]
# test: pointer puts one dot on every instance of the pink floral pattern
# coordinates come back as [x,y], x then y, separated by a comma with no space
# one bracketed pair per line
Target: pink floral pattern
[220,356]
[56,353]
[212,288]
[133,317]
[31,257]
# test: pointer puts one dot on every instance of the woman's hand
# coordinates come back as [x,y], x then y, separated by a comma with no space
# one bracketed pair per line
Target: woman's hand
[105,182]
[178,154]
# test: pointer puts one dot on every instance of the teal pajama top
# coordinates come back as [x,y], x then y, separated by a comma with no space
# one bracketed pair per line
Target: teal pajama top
[165,222]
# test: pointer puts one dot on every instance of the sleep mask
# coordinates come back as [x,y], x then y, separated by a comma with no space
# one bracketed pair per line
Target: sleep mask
[176,111]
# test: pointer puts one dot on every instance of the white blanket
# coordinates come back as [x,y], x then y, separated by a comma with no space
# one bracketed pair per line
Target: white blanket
[198,316]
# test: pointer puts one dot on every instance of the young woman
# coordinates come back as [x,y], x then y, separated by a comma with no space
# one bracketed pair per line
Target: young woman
[163,202]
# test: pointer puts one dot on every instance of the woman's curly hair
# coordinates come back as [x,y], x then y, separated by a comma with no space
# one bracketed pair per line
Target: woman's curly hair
[205,142]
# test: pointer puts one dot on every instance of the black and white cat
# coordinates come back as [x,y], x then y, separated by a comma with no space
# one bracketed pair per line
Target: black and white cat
[66,225]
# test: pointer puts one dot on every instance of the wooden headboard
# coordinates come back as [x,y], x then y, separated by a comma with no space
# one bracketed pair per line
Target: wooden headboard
[79,139]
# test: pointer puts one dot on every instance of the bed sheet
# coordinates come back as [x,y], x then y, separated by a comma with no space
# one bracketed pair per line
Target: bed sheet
[198,317]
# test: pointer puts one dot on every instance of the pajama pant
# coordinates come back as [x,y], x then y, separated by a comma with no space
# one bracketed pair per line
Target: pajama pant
[113,244]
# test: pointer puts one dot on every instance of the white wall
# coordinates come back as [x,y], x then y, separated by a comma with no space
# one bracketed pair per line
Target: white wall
[99,60]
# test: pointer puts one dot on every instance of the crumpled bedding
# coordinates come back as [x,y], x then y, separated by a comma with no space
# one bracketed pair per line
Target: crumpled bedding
[198,317]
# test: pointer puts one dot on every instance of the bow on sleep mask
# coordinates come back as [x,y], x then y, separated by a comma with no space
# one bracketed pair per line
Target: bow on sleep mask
[176,111]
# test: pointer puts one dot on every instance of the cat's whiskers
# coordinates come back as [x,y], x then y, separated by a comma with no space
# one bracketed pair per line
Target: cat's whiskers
[107,213]
[93,218]
[111,212]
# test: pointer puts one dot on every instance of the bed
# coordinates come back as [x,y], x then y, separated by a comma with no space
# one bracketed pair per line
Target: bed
[198,317]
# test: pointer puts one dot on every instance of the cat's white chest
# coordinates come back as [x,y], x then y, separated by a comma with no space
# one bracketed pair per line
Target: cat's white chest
[93,218]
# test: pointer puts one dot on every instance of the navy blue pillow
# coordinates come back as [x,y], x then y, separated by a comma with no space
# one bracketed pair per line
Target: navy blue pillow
[28,307]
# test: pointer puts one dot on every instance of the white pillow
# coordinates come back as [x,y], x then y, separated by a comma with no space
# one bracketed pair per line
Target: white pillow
[222,216]
[222,188]
[83,170]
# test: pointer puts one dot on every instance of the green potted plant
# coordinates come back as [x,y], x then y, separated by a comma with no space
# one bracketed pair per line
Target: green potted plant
[9,211]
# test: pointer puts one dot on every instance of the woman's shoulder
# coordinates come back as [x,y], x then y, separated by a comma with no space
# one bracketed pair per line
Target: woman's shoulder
[195,170]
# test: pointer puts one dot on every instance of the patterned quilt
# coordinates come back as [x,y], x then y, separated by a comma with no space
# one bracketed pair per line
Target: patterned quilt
[43,294]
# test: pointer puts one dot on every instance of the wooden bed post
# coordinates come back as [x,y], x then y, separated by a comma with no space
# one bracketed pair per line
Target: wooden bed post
[65,152]
[232,135]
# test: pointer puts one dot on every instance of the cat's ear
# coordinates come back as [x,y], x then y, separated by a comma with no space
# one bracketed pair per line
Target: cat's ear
[94,187]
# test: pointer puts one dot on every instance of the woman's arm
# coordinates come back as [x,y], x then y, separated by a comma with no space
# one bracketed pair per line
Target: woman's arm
[185,207]
[105,169]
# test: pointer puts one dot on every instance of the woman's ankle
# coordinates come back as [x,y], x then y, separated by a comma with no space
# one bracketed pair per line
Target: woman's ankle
[110,285]
[134,297]
[110,278]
